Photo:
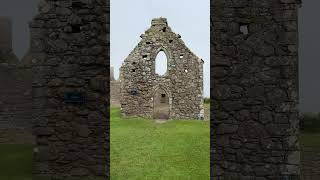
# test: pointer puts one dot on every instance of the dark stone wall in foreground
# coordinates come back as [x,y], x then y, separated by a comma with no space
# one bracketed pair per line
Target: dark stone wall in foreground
[69,46]
[254,50]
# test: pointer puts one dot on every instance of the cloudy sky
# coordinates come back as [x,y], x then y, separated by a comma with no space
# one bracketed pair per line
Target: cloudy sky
[189,19]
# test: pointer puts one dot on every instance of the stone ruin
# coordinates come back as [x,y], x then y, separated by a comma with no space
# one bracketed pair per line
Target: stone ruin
[114,89]
[69,49]
[176,94]
[255,90]
[15,91]
[7,57]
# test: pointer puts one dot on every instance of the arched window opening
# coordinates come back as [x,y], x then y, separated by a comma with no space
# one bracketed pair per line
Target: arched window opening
[161,63]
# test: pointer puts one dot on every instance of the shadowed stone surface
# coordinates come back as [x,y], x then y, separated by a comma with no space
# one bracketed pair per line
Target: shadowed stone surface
[69,51]
[255,90]
[182,83]
[310,162]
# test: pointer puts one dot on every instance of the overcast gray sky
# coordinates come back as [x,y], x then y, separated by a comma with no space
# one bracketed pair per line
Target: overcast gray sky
[178,12]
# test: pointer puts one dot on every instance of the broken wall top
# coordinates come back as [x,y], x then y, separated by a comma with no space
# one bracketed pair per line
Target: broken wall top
[160,33]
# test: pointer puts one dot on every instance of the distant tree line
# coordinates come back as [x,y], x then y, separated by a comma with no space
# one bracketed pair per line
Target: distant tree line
[206,100]
[310,122]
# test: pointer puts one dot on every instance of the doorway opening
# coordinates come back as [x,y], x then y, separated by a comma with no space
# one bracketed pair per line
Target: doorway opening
[161,105]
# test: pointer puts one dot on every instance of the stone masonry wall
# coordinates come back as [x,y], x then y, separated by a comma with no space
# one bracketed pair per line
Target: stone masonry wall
[255,90]
[183,81]
[69,42]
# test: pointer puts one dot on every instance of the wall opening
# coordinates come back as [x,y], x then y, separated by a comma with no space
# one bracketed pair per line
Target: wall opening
[161,63]
[76,28]
[244,29]
[77,4]
[163,98]
[161,107]
[144,57]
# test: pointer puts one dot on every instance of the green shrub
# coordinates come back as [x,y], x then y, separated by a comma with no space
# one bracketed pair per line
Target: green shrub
[206,100]
[310,122]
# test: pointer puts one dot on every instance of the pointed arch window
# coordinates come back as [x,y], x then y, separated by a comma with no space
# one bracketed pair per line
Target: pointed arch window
[161,63]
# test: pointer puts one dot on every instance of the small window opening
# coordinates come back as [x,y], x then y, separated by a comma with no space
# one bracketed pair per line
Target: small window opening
[164,29]
[244,29]
[133,70]
[148,42]
[134,92]
[134,63]
[170,41]
[144,57]
[163,98]
[77,4]
[76,28]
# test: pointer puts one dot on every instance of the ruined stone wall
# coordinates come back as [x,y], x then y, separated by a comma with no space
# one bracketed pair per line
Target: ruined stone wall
[183,81]
[15,97]
[115,93]
[255,89]
[114,89]
[70,88]
[5,33]
[15,91]
[112,74]
[6,53]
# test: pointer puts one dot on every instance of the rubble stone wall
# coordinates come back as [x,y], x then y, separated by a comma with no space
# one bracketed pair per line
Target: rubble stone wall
[183,81]
[255,89]
[69,46]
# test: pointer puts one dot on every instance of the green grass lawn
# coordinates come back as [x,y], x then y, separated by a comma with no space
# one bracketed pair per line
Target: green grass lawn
[310,139]
[15,162]
[142,149]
